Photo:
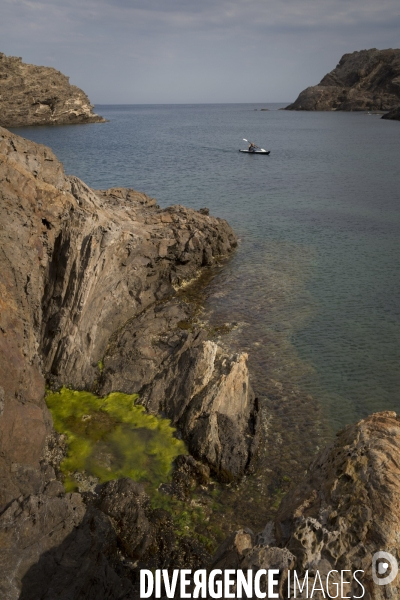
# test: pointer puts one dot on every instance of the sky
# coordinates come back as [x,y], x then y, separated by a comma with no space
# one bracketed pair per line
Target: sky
[194,51]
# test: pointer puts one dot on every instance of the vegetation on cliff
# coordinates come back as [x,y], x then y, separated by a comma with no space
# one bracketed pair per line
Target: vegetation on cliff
[112,437]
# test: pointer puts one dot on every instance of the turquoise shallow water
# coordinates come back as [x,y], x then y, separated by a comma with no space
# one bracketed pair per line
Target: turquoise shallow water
[315,284]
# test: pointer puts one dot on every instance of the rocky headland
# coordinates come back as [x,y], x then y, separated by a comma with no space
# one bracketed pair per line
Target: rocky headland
[33,95]
[365,80]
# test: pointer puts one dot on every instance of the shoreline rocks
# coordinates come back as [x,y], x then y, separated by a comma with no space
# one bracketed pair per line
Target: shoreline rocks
[362,81]
[393,115]
[33,95]
[80,269]
[345,509]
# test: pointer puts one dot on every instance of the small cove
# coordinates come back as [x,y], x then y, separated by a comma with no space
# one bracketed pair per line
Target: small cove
[314,286]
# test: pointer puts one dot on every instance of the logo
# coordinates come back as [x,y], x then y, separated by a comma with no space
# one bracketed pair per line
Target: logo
[384,568]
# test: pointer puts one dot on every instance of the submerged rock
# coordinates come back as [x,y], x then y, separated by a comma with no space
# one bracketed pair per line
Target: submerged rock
[32,95]
[365,80]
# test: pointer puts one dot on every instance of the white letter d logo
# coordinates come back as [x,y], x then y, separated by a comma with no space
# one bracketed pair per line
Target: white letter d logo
[386,560]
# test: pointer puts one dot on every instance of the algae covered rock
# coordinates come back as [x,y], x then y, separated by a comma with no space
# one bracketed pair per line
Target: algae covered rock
[79,265]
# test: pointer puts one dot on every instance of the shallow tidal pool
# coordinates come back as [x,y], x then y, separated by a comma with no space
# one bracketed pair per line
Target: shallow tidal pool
[112,437]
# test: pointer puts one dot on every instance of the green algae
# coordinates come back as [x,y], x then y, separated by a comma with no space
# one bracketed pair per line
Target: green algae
[113,437]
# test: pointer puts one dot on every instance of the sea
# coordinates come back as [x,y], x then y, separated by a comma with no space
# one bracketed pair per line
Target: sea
[312,293]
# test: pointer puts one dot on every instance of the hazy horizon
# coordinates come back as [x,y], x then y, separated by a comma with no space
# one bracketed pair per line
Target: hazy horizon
[192,52]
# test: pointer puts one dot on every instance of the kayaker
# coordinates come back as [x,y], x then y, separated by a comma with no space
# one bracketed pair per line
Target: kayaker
[252,147]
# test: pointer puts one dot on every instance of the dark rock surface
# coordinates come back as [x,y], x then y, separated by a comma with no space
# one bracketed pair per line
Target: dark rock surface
[32,95]
[365,80]
[103,545]
[393,115]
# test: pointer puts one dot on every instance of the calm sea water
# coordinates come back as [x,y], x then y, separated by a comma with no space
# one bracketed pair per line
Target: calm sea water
[315,284]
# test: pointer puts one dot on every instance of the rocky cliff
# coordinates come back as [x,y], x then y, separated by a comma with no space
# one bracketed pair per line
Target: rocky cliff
[89,277]
[32,95]
[365,80]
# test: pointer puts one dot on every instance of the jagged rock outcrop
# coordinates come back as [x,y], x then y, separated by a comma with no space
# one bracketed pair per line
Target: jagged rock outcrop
[33,95]
[393,115]
[346,509]
[365,80]
[180,373]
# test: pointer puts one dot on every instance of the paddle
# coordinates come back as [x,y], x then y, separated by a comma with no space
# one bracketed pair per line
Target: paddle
[244,139]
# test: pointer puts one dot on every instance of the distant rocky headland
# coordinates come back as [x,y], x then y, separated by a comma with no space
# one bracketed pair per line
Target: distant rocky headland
[33,95]
[365,80]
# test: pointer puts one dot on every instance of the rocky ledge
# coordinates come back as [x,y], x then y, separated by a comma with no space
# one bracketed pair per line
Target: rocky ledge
[365,80]
[393,115]
[90,278]
[33,95]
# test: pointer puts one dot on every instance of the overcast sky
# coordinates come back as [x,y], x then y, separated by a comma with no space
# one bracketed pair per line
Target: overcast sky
[171,51]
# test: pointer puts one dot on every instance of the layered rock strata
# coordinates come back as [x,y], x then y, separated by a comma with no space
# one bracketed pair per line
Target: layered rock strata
[345,510]
[80,270]
[365,80]
[33,95]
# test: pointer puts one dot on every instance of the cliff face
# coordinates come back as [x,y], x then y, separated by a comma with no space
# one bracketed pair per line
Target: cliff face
[32,95]
[365,80]
[79,264]
[89,276]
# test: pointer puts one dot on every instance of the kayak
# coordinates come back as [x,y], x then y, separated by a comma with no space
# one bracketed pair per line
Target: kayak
[256,151]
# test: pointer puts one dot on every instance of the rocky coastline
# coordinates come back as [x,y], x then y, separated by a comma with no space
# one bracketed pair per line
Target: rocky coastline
[362,81]
[93,297]
[90,277]
[33,95]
